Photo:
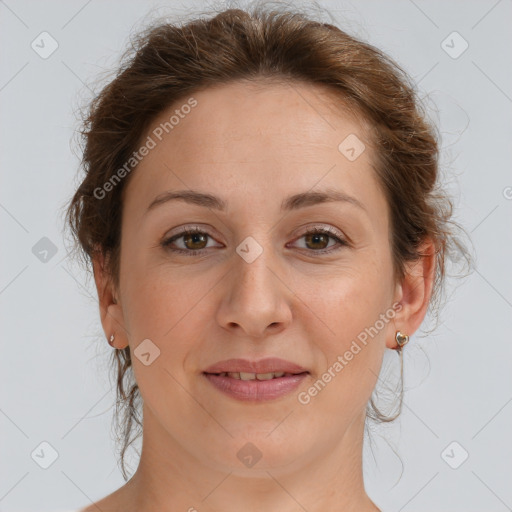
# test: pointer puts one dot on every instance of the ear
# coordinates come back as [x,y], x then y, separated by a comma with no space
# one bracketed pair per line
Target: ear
[414,292]
[111,311]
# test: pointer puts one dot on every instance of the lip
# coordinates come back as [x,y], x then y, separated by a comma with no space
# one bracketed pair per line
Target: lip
[256,390]
[267,365]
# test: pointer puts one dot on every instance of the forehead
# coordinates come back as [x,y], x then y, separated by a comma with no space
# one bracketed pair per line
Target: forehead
[263,139]
[278,115]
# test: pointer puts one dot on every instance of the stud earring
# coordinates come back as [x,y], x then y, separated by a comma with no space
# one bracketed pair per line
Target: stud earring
[401,339]
[111,340]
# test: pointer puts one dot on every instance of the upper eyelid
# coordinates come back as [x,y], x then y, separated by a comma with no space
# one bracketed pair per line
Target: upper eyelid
[328,230]
[200,229]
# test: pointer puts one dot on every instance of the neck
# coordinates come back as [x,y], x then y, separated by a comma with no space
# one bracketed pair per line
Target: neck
[169,478]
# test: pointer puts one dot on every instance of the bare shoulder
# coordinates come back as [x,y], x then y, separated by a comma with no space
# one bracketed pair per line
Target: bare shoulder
[121,500]
[111,503]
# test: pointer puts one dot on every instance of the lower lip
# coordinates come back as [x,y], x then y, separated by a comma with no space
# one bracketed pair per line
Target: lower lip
[256,390]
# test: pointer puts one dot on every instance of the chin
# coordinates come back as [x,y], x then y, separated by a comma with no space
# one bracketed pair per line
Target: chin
[245,454]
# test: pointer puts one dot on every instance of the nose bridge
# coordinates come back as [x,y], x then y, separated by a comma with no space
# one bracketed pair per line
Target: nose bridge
[256,297]
[252,272]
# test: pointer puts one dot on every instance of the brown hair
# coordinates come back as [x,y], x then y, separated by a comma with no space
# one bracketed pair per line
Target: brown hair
[170,61]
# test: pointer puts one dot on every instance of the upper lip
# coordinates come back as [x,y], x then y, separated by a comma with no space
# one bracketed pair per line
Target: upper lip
[267,365]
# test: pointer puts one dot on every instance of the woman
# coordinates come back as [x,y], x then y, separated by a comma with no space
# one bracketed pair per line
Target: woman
[262,212]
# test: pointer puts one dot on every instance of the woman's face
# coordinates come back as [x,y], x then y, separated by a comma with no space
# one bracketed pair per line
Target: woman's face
[253,284]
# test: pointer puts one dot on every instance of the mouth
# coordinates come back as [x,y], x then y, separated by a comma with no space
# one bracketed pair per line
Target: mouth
[256,381]
[247,376]
[273,365]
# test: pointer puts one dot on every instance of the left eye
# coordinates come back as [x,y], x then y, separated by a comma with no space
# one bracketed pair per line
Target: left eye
[321,236]
[194,241]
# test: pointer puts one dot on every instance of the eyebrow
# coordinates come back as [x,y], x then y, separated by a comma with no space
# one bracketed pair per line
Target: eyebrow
[294,202]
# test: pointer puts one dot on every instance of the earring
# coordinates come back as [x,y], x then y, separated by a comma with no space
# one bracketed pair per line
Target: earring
[401,339]
[111,340]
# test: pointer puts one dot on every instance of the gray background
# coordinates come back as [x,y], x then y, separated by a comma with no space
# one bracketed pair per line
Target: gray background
[55,384]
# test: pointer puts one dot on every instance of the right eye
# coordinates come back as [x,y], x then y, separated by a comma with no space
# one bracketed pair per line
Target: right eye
[192,238]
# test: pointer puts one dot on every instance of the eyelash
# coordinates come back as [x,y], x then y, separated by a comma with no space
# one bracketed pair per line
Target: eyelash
[197,252]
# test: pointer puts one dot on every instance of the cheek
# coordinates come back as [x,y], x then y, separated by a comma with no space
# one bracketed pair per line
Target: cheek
[351,358]
[345,301]
[353,310]
[171,311]
[159,300]
[164,315]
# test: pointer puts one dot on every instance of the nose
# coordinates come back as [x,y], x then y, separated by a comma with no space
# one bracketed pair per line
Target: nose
[257,298]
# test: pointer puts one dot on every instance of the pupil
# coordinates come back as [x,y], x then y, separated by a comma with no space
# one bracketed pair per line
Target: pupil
[316,237]
[194,238]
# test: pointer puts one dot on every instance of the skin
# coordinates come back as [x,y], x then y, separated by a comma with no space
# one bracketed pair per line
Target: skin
[253,147]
